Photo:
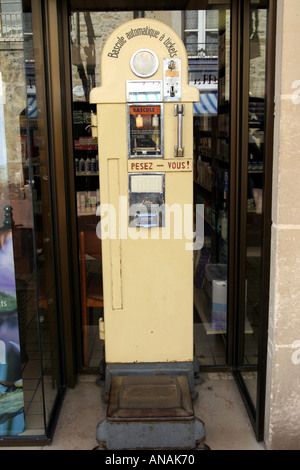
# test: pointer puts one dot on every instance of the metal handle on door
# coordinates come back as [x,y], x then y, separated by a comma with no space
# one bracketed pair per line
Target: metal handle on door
[179,112]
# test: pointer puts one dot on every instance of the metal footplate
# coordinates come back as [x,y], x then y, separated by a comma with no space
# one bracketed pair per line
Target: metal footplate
[153,412]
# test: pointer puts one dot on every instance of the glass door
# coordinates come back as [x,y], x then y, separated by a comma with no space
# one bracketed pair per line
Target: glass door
[255,190]
[230,57]
[255,221]
[31,381]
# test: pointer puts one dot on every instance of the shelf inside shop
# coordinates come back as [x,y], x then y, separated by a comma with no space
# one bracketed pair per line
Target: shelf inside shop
[200,302]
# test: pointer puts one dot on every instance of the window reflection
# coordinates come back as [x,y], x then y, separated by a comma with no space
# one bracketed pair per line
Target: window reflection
[254,234]
[25,210]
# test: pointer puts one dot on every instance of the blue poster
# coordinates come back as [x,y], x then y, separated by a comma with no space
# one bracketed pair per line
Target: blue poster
[11,386]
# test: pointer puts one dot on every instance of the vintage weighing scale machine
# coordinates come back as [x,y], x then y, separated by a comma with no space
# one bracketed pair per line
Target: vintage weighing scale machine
[144,123]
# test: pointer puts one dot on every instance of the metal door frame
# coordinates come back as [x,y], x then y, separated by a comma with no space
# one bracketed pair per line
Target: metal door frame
[256,411]
[238,172]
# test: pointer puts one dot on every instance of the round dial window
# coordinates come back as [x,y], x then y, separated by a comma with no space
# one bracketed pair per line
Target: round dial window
[144,63]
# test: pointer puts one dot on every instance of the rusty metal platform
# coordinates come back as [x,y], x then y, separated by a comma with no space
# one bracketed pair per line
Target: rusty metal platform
[162,397]
[150,412]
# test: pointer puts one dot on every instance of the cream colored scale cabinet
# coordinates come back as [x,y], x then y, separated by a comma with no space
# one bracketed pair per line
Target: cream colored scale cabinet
[145,136]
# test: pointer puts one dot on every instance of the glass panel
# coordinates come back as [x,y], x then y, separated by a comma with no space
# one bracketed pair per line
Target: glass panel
[191,19]
[253,274]
[212,38]
[212,19]
[29,338]
[192,45]
[211,176]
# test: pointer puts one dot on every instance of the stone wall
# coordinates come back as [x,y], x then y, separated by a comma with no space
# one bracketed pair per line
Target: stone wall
[282,427]
[13,78]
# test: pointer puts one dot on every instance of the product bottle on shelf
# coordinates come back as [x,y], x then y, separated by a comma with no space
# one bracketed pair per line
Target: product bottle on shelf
[81,165]
[224,224]
[76,165]
[88,165]
[93,165]
[88,201]
[82,202]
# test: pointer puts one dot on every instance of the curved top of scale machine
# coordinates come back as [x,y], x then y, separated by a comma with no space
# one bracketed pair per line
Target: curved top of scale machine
[138,50]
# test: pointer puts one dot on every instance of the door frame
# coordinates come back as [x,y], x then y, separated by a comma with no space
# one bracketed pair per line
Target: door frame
[256,411]
[238,169]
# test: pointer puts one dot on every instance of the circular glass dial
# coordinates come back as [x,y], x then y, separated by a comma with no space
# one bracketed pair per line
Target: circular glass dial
[144,63]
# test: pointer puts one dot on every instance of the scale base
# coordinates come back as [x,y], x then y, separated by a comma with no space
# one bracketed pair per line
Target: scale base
[150,412]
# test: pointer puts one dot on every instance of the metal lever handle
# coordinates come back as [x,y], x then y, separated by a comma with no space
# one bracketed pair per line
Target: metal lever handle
[179,112]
